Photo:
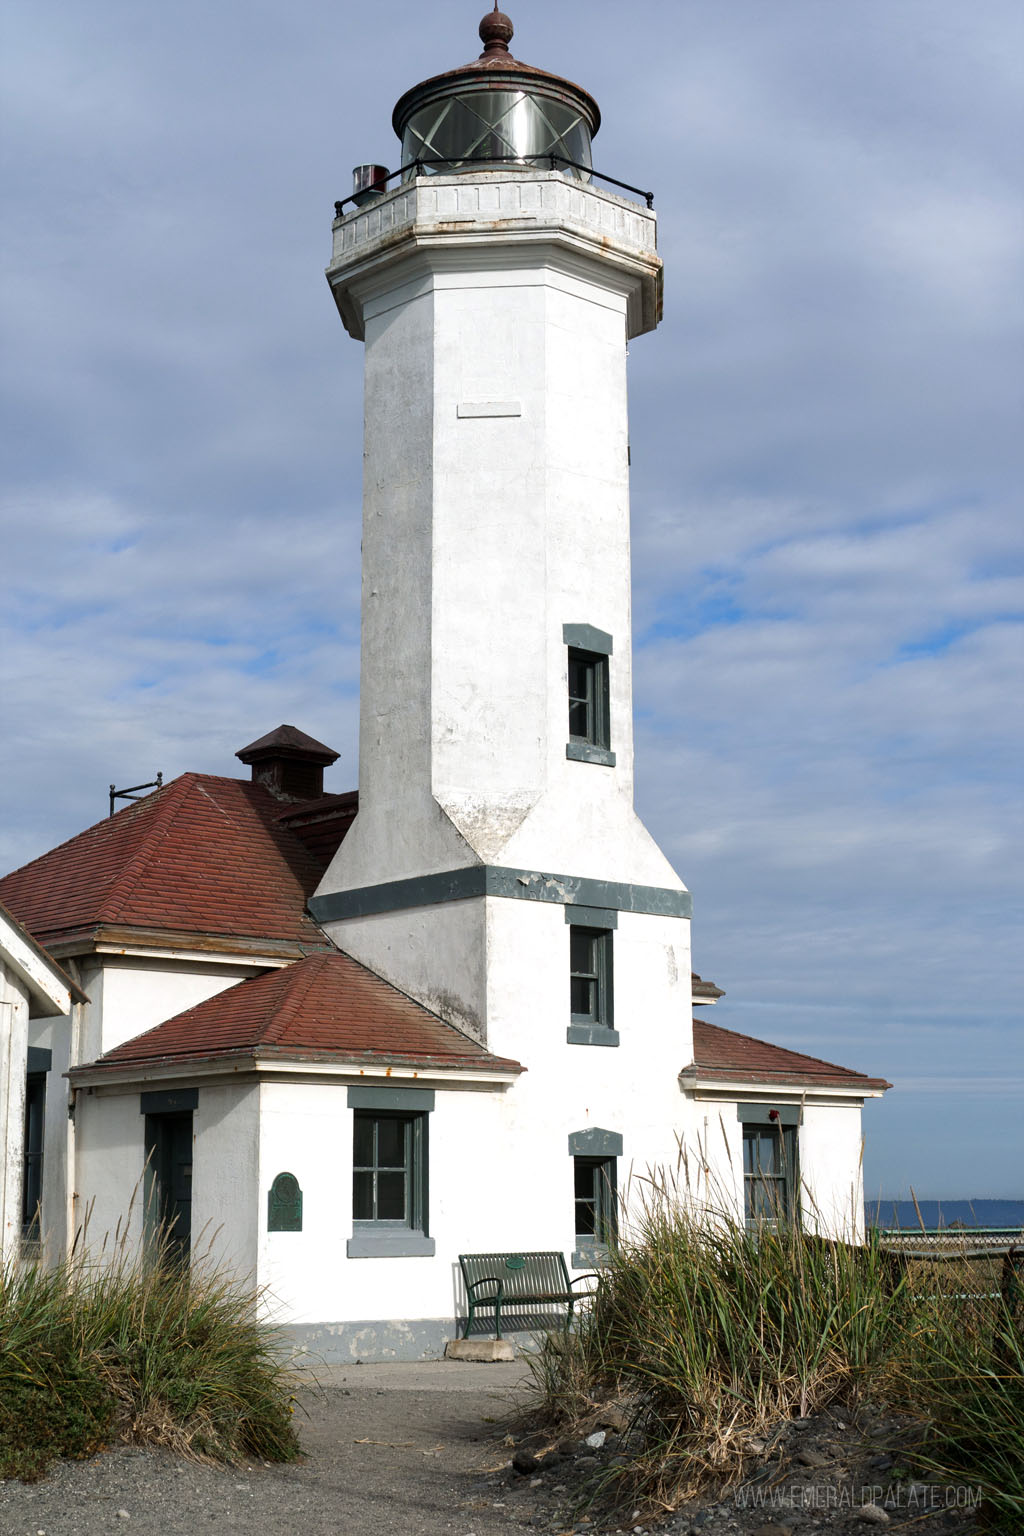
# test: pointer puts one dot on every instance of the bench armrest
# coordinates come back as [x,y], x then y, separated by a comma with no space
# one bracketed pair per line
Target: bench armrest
[486,1280]
[590,1274]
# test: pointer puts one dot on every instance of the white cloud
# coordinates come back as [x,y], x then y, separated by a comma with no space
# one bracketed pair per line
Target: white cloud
[826,454]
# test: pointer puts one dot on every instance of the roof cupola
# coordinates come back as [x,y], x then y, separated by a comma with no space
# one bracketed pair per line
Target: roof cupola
[496,113]
[289,763]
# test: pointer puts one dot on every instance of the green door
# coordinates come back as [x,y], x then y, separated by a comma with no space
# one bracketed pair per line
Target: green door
[169,1204]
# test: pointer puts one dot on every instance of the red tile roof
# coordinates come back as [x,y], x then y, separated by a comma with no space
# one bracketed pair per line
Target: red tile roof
[722,1055]
[705,990]
[321,824]
[203,855]
[326,1007]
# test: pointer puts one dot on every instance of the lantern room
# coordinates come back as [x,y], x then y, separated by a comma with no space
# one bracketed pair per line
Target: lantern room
[496,113]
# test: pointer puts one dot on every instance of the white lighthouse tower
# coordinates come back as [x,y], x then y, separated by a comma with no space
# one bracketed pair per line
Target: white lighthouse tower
[497,871]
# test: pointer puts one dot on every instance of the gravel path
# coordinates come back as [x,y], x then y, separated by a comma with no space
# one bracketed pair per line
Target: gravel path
[396,1450]
[425,1450]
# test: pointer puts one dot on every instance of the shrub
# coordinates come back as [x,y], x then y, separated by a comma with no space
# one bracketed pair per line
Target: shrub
[717,1333]
[965,1376]
[158,1354]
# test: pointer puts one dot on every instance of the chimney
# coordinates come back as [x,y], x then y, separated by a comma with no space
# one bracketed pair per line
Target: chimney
[289,763]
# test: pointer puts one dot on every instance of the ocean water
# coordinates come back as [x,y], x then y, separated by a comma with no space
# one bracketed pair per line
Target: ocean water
[943,1213]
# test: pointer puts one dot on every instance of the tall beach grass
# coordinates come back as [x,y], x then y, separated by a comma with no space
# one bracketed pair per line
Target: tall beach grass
[141,1351]
[716,1334]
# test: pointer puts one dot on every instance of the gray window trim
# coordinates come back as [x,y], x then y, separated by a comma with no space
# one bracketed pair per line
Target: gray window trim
[583,752]
[592,917]
[595,1142]
[394,1239]
[584,637]
[589,1253]
[410,1100]
[33,1158]
[769,1114]
[591,1034]
[175,1101]
[592,1247]
[385,1243]
[583,1029]
[595,702]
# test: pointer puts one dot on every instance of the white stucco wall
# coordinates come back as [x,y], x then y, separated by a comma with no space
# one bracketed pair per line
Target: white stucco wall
[829,1148]
[226,1128]
[499,1169]
[110,1157]
[57,1210]
[496,510]
[111,1130]
[129,994]
[831,1145]
[13,1049]
[493,1186]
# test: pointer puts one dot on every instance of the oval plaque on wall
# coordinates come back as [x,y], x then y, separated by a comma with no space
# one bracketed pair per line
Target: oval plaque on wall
[284,1204]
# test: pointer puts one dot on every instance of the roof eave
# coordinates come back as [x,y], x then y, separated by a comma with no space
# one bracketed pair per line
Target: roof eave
[721,1086]
[111,938]
[233,1065]
[49,987]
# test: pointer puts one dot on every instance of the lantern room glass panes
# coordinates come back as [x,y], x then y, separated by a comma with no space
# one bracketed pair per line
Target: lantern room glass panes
[497,128]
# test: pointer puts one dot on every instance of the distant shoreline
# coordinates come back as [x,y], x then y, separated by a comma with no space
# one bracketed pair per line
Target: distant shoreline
[944,1213]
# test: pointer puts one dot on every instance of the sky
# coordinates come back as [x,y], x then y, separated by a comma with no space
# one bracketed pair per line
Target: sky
[826,438]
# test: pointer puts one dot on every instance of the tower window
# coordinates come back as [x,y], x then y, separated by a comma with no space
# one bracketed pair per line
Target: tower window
[590,975]
[591,1013]
[588,698]
[588,669]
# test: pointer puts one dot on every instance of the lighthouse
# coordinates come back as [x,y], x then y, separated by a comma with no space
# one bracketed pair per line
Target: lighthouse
[372,1051]
[497,871]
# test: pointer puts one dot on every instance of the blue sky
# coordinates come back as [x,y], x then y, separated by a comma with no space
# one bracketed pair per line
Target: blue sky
[826,445]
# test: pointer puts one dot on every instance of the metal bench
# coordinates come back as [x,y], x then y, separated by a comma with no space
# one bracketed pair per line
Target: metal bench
[509,1282]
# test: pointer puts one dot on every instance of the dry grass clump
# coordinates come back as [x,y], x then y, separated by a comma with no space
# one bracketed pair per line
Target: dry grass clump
[717,1334]
[140,1352]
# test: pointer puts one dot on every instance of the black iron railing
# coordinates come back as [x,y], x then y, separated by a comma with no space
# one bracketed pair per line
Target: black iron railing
[549,162]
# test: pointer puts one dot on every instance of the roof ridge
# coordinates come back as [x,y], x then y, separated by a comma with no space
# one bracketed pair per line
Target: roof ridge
[737,1034]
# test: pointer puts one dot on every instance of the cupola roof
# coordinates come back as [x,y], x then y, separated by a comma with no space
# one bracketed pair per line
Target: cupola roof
[499,69]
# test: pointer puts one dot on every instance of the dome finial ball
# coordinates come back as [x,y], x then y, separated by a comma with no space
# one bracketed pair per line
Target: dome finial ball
[495,32]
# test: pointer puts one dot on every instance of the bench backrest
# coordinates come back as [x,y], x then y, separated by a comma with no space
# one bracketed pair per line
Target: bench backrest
[521,1274]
